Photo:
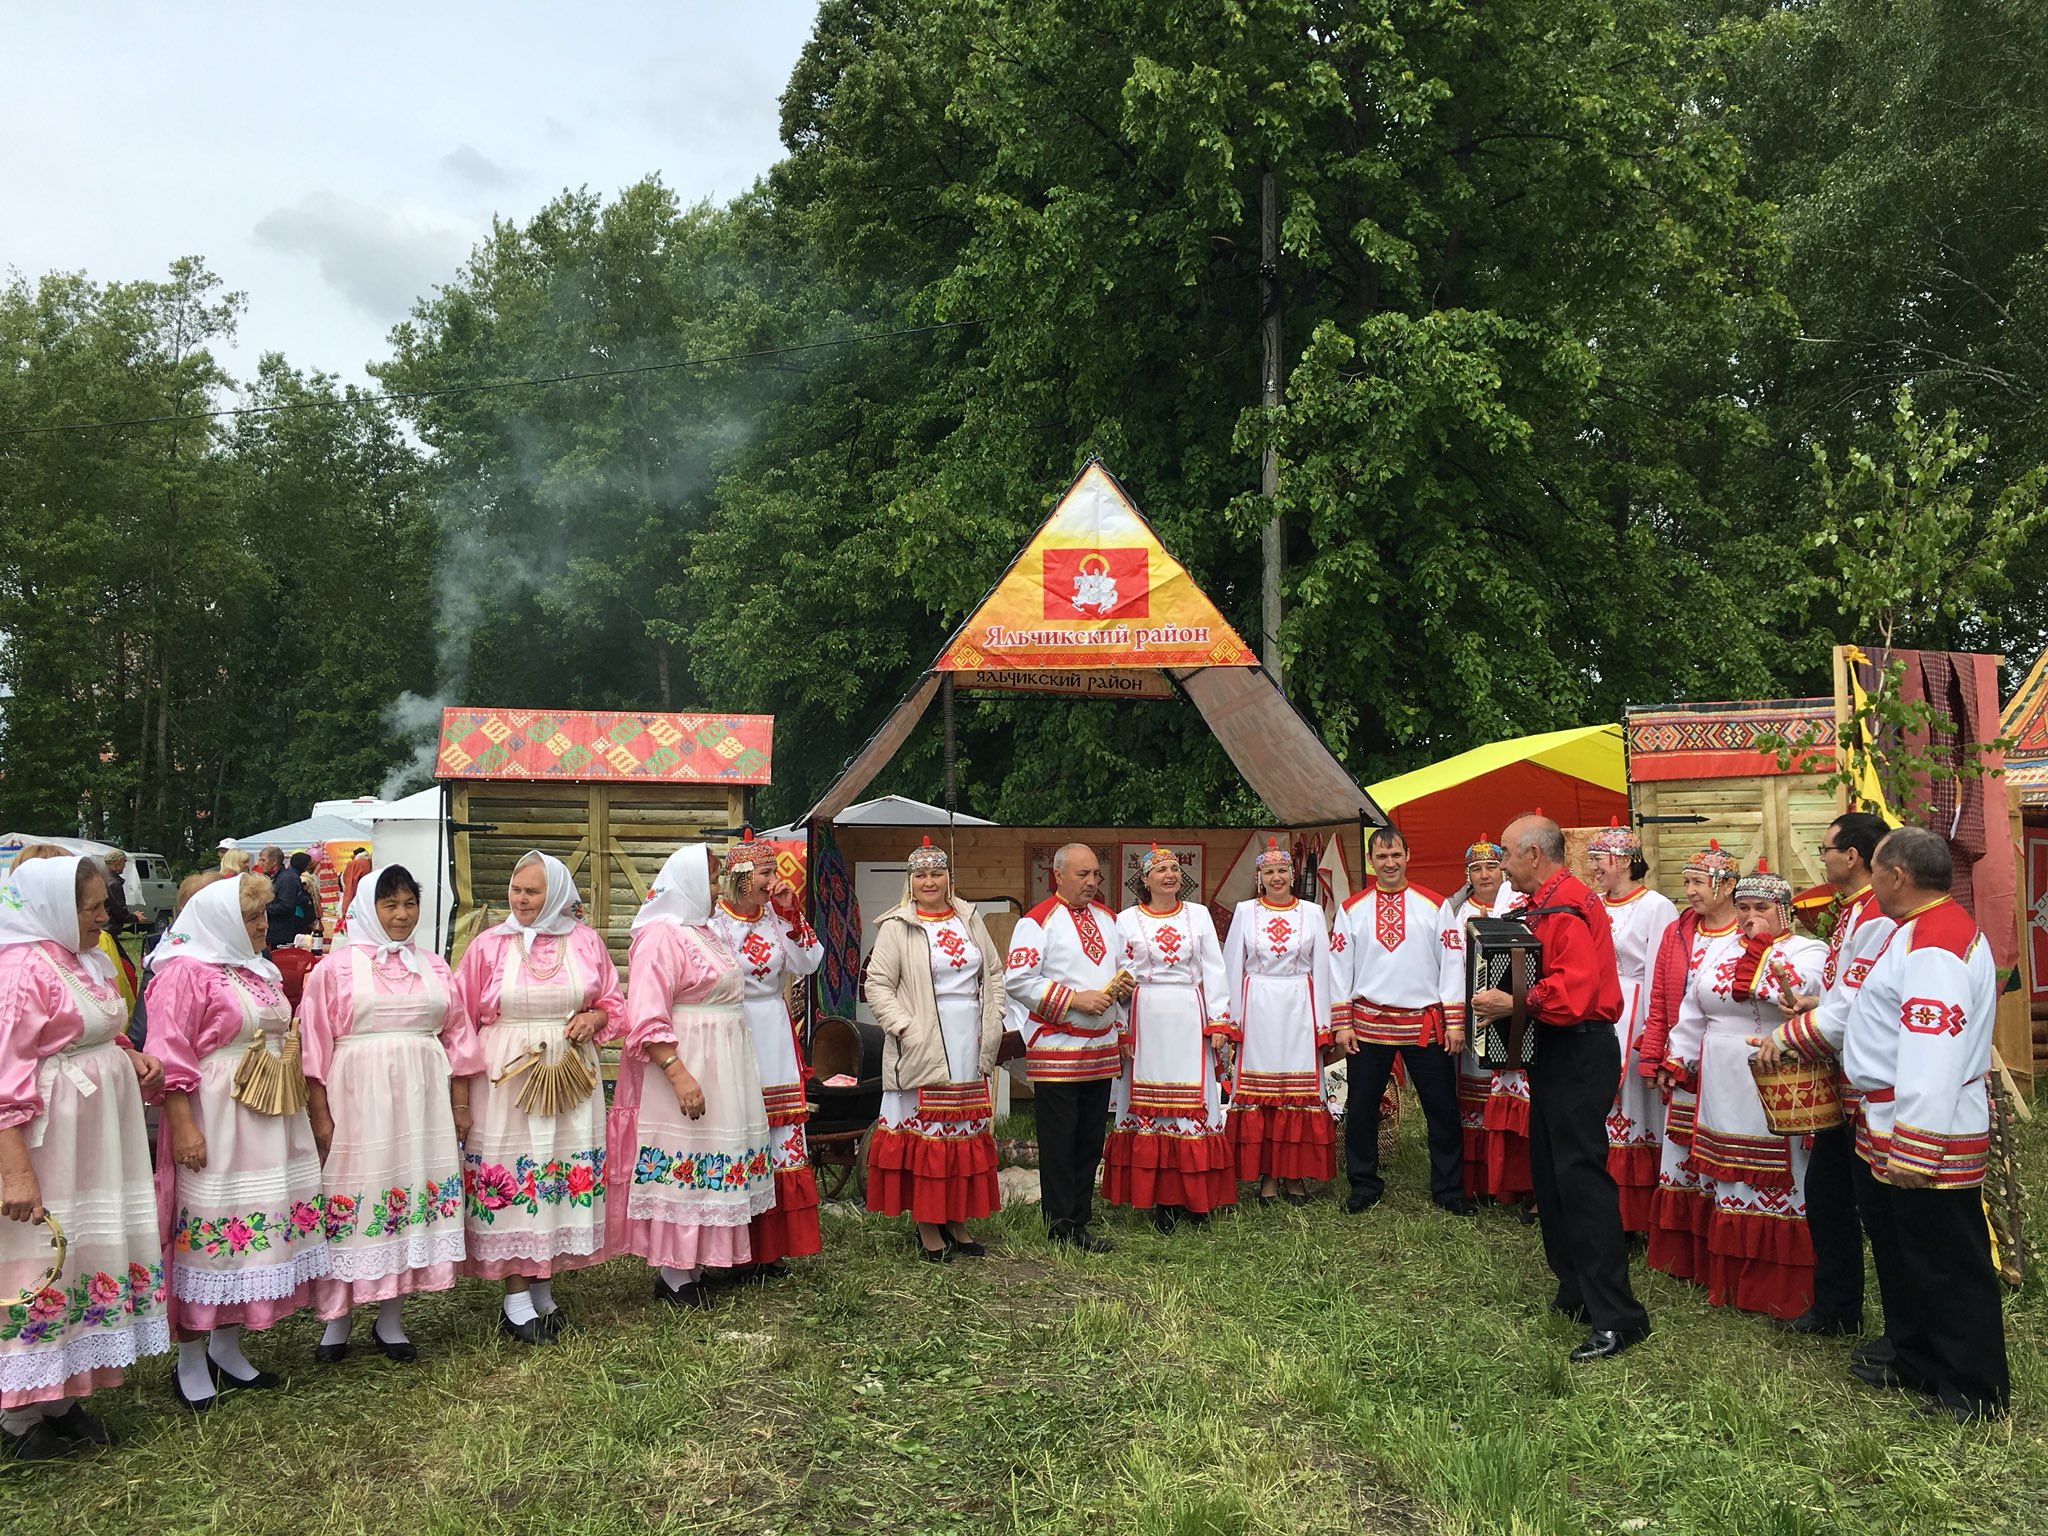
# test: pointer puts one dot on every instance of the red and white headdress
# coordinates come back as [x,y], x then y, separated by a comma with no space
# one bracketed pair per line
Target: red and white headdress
[1157,853]
[925,859]
[1715,862]
[747,855]
[1761,885]
[1274,856]
[1616,839]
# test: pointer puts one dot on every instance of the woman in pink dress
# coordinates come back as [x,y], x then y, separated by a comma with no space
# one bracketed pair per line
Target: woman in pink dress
[238,1187]
[688,1137]
[533,1184]
[72,1142]
[389,1057]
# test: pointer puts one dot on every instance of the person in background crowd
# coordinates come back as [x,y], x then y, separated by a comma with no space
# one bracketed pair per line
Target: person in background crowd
[119,918]
[1063,960]
[1387,959]
[1635,1126]
[935,983]
[288,901]
[235,861]
[352,876]
[1496,1163]
[73,1144]
[1277,967]
[270,862]
[1577,998]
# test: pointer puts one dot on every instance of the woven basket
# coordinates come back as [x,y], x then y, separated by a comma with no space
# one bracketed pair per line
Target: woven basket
[1799,1098]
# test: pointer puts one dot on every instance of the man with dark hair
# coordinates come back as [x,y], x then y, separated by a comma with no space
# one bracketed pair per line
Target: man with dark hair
[284,917]
[1813,1030]
[1916,1051]
[1577,998]
[1387,962]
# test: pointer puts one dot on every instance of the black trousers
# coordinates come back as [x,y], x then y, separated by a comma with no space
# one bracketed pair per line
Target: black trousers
[1073,1122]
[1434,1072]
[1571,1088]
[1836,1229]
[1941,1301]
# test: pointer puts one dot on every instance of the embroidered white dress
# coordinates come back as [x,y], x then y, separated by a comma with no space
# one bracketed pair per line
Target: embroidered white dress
[243,1234]
[1277,969]
[771,948]
[385,1043]
[1635,1125]
[1168,1142]
[70,1088]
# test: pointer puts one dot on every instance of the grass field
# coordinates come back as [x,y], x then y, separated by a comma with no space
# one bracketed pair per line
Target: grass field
[1283,1370]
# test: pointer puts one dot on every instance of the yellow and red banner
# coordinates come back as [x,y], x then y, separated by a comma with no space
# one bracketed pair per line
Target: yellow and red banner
[1094,590]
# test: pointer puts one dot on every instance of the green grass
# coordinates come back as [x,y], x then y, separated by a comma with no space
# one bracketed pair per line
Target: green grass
[1281,1371]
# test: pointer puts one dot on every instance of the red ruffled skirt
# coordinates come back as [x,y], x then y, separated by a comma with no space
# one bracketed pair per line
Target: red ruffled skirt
[1283,1141]
[1146,1168]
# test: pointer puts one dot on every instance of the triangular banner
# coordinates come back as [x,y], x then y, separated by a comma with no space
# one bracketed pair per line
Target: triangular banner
[1093,589]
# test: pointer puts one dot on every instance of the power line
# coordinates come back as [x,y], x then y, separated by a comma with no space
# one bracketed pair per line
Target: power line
[541,381]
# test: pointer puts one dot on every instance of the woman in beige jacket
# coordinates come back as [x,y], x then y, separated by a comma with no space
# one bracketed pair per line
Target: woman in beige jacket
[935,983]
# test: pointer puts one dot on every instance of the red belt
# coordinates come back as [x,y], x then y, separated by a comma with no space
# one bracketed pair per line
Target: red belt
[1046,1026]
[1876,1095]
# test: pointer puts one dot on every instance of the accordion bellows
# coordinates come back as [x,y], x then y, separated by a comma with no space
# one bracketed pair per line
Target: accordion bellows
[1502,952]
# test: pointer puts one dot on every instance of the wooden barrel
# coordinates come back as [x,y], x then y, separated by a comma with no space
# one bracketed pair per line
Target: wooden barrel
[1798,1097]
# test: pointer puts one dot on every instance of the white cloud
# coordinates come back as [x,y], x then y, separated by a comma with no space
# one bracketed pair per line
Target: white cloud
[379,259]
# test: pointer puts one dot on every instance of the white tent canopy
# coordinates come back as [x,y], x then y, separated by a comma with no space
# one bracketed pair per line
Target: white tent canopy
[890,811]
[304,834]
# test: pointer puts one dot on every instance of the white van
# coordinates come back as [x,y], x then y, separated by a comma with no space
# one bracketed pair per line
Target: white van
[147,883]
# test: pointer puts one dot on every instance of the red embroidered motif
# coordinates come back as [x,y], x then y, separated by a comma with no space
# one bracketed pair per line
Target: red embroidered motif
[1724,974]
[1452,938]
[1169,942]
[1337,941]
[1279,932]
[1857,972]
[1931,1016]
[1022,958]
[949,940]
[758,952]
[1390,918]
[1090,935]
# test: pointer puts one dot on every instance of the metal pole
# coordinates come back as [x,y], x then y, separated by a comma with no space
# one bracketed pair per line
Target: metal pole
[946,703]
[1272,540]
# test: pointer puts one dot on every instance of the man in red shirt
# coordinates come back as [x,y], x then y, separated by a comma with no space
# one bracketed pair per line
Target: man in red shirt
[1571,1086]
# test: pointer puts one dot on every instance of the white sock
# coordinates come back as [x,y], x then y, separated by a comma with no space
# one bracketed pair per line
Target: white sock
[543,1294]
[192,1376]
[389,1326]
[224,1349]
[336,1331]
[676,1279]
[519,1307]
[18,1421]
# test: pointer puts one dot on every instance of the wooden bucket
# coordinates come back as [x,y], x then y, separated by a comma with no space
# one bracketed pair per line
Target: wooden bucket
[1799,1098]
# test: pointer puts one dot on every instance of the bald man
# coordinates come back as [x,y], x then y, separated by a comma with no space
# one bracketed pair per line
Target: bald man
[1063,958]
[1576,998]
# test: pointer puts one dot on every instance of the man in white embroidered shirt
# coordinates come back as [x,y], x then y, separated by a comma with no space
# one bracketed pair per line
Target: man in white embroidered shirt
[1063,964]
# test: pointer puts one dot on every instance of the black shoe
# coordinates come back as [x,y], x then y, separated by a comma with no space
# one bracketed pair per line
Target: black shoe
[1957,1412]
[1266,1199]
[532,1331]
[1457,1205]
[1577,1314]
[1528,1216]
[966,1247]
[43,1441]
[1197,1218]
[554,1323]
[943,1254]
[1879,1351]
[330,1354]
[761,1274]
[1356,1202]
[1606,1343]
[1818,1324]
[227,1381]
[1164,1220]
[191,1404]
[1877,1373]
[691,1293]
[404,1352]
[74,1423]
[1083,1239]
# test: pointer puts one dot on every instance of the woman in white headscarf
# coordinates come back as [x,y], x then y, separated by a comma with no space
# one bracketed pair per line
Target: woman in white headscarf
[72,1143]
[389,1056]
[237,1172]
[534,1184]
[688,1133]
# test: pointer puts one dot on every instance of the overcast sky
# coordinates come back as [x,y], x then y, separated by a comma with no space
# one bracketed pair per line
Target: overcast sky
[335,162]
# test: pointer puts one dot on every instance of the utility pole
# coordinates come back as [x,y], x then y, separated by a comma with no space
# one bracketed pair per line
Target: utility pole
[1273,539]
